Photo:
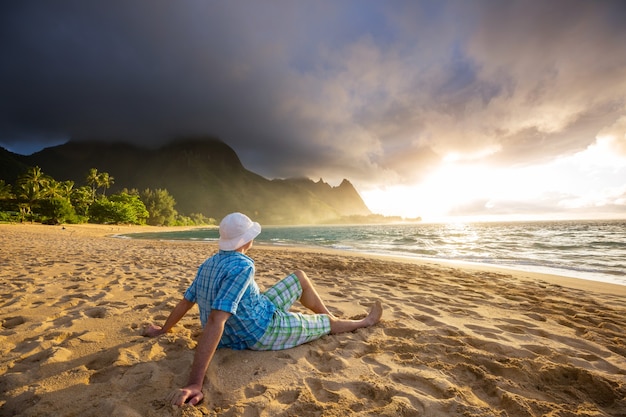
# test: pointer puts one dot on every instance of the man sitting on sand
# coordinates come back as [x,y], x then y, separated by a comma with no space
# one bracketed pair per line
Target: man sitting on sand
[235,314]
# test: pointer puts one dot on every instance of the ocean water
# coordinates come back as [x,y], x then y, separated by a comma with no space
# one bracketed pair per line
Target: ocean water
[593,250]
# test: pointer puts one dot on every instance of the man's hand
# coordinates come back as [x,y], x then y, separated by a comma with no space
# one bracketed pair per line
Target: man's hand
[191,394]
[153,331]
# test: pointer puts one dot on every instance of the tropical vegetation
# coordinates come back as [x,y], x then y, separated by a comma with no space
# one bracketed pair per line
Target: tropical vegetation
[37,197]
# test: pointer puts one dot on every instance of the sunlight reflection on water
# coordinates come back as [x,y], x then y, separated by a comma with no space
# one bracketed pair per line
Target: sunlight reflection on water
[594,250]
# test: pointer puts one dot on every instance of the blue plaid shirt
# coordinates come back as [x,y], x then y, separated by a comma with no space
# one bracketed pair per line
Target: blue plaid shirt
[226,282]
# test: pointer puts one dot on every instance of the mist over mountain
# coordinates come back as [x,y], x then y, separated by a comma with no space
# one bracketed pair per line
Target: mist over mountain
[204,175]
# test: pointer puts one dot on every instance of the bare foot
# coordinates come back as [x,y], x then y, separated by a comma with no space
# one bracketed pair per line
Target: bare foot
[373,317]
[375,314]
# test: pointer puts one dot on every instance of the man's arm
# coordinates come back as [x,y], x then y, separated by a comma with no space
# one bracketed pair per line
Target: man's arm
[207,345]
[178,313]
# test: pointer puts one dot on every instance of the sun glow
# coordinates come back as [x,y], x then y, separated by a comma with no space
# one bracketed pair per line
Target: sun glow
[452,186]
[591,181]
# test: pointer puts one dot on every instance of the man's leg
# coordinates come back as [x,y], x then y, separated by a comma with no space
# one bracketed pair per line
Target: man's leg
[289,329]
[312,300]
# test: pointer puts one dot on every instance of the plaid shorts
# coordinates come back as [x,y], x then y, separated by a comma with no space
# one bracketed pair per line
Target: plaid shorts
[287,329]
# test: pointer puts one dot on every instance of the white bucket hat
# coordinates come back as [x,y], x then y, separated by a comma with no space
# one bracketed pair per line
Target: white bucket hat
[236,230]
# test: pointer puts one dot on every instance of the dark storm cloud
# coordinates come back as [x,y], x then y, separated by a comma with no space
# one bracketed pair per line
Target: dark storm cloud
[373,91]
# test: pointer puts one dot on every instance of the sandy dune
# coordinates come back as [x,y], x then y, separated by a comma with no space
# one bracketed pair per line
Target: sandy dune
[454,341]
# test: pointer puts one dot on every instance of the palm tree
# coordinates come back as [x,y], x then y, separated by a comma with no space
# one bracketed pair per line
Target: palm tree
[105,181]
[28,194]
[35,177]
[67,188]
[52,189]
[31,187]
[99,179]
[93,179]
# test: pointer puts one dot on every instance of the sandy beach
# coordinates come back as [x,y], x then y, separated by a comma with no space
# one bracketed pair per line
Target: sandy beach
[454,340]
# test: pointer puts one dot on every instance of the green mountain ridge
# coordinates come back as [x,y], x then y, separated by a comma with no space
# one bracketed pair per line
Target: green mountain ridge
[204,175]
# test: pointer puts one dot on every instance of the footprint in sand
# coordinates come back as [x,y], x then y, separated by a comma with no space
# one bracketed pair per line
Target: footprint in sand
[601,391]
[286,357]
[377,367]
[65,321]
[54,354]
[429,386]
[378,393]
[325,362]
[58,337]
[96,312]
[289,396]
[321,394]
[255,390]
[12,322]
[92,337]
[402,332]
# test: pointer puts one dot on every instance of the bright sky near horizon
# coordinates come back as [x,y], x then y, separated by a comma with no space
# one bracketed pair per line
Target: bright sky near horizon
[443,109]
[586,185]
